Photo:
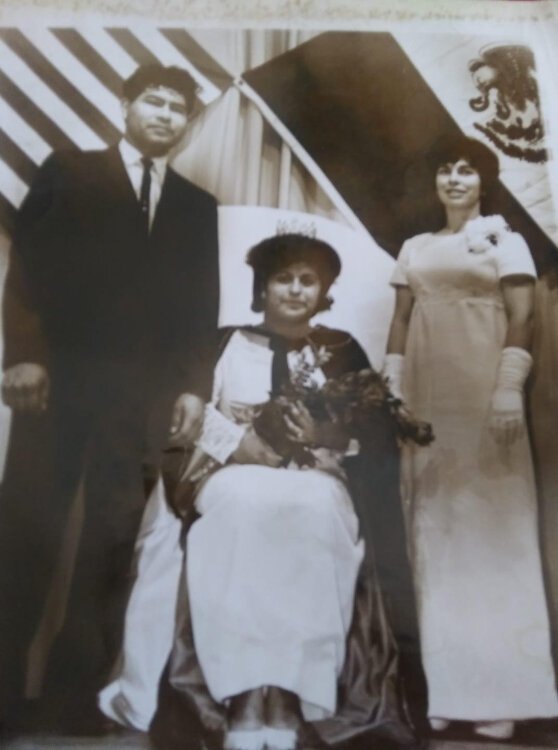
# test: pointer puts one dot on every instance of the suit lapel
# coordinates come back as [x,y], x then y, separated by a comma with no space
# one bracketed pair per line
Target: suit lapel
[119,190]
[166,213]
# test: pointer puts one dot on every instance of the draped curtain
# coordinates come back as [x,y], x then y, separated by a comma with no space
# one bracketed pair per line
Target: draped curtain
[231,150]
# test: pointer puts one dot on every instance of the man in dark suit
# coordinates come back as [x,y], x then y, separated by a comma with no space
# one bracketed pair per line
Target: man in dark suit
[109,309]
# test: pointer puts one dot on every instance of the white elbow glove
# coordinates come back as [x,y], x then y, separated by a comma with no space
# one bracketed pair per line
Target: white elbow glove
[507,417]
[393,370]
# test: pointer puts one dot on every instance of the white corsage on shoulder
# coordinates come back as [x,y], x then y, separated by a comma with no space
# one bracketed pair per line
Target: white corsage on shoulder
[485,232]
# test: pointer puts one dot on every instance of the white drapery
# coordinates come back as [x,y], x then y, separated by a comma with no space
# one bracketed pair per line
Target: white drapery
[231,150]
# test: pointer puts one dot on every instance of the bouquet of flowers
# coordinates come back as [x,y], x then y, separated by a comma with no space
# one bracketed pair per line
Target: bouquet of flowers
[359,403]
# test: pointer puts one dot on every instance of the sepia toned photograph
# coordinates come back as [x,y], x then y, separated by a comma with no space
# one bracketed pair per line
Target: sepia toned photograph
[279,299]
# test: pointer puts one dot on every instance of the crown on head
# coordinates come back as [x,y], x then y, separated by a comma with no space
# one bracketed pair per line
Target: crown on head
[296,226]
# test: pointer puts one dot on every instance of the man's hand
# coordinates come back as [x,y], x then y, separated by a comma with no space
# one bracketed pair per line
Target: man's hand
[187,418]
[25,387]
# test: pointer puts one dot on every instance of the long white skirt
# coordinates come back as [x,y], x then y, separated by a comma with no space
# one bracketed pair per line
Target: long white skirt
[271,569]
[131,696]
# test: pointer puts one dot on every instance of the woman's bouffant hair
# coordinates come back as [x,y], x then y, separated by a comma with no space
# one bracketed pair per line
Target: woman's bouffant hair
[479,156]
[170,77]
[275,253]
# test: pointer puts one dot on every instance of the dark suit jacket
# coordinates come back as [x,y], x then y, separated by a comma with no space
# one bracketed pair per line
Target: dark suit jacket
[87,284]
[106,307]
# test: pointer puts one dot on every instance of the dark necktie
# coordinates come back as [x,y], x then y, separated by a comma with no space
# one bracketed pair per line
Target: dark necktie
[145,189]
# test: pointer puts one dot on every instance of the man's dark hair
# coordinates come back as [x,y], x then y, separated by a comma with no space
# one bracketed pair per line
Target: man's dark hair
[171,77]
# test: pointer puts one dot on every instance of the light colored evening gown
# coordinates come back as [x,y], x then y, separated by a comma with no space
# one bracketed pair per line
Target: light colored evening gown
[471,504]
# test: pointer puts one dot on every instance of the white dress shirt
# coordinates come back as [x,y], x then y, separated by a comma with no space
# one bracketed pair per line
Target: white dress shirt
[134,167]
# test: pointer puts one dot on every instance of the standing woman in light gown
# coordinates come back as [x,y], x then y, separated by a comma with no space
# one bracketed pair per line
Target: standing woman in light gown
[458,353]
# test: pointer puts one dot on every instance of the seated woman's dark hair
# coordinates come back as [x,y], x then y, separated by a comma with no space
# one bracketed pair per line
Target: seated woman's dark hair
[170,77]
[282,250]
[480,157]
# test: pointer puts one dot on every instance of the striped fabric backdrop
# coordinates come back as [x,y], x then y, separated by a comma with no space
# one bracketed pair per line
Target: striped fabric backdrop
[60,88]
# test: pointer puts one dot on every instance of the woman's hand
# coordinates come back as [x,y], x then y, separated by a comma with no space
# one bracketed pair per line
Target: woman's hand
[303,428]
[507,420]
[253,450]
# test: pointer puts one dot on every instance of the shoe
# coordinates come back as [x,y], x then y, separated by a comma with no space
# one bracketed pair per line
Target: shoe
[438,725]
[244,739]
[497,730]
[117,709]
[280,739]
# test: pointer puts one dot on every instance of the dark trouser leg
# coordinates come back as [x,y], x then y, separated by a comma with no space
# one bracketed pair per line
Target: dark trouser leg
[42,472]
[114,501]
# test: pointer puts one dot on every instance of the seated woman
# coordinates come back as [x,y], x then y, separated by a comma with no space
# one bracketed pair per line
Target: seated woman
[276,629]
[272,562]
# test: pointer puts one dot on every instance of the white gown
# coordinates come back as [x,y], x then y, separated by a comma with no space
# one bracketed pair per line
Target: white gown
[470,504]
[131,697]
[272,562]
[271,569]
